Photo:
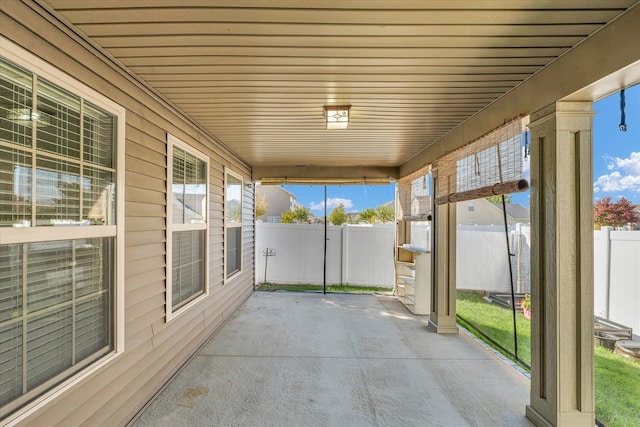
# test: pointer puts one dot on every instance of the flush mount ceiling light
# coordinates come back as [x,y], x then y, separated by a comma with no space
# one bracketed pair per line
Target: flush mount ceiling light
[337,116]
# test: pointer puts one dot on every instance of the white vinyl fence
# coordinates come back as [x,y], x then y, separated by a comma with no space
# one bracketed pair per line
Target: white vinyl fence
[617,276]
[363,255]
[482,258]
[294,253]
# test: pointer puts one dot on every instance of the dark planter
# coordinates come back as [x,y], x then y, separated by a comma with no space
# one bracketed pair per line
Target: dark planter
[606,340]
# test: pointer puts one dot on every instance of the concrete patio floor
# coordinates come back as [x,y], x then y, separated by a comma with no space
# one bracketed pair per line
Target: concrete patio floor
[307,359]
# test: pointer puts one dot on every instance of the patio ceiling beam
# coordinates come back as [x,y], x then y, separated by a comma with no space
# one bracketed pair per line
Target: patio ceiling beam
[325,175]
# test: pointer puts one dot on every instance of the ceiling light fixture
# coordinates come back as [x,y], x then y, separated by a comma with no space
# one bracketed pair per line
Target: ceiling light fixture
[337,116]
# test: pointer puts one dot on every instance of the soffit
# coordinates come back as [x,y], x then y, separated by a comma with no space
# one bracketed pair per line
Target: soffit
[256,74]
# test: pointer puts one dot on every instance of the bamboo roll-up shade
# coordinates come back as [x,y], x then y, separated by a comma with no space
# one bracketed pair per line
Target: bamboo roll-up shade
[325,181]
[413,195]
[490,165]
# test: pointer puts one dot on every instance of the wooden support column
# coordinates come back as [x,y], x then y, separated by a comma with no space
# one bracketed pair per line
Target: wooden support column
[562,376]
[443,296]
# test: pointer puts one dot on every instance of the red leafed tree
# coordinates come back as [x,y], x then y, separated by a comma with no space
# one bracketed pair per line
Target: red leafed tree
[615,214]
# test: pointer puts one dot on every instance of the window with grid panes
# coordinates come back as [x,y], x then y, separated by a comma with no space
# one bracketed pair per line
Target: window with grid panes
[233,223]
[187,227]
[57,286]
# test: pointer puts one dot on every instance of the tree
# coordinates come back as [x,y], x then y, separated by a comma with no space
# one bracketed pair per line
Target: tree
[368,215]
[338,216]
[615,214]
[386,213]
[300,215]
[497,200]
[234,212]
[261,206]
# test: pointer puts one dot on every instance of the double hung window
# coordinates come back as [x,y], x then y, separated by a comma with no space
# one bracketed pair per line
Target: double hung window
[59,229]
[187,209]
[233,224]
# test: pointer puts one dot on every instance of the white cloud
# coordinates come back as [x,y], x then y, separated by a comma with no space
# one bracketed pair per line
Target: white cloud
[625,175]
[615,181]
[332,202]
[630,165]
[316,206]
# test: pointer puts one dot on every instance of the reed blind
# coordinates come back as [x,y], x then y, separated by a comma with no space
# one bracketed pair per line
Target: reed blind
[414,196]
[490,165]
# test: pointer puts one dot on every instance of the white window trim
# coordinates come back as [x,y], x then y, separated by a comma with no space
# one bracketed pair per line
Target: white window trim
[227,172]
[32,63]
[171,227]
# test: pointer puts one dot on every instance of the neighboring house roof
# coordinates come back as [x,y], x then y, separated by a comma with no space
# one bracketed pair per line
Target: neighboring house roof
[483,212]
[189,213]
[516,211]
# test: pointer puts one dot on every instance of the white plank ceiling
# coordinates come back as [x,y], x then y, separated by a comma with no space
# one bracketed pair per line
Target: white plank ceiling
[257,73]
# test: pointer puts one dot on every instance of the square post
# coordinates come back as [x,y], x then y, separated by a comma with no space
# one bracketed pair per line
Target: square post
[562,368]
[443,298]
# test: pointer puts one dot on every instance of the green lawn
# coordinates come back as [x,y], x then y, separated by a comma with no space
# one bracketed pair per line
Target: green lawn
[617,378]
[330,288]
[617,389]
[496,322]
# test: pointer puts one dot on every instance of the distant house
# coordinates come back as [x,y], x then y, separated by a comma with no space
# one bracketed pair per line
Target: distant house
[278,201]
[483,212]
[420,204]
[636,226]
[354,217]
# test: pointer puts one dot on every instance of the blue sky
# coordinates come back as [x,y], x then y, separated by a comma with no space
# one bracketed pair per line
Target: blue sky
[355,198]
[616,164]
[616,154]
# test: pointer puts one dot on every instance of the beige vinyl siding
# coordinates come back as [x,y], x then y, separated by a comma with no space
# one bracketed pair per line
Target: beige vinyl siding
[154,349]
[248,224]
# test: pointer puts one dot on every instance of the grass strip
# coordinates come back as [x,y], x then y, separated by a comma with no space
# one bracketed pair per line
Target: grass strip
[330,288]
[496,322]
[617,379]
[617,389]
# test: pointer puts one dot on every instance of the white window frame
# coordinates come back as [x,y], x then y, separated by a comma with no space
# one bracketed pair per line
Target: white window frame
[171,227]
[8,235]
[227,172]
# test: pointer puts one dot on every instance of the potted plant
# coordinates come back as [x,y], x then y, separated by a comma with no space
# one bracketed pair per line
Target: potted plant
[526,306]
